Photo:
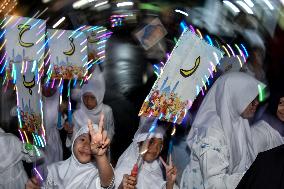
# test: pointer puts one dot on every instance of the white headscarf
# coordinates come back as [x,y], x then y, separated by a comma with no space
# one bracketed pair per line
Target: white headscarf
[12,172]
[11,150]
[96,86]
[222,106]
[71,174]
[150,175]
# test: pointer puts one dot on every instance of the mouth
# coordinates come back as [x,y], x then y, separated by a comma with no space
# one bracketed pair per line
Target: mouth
[150,153]
[281,114]
[84,151]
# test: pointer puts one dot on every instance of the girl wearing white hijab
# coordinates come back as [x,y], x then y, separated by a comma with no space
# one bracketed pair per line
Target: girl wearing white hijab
[53,150]
[150,174]
[87,168]
[221,140]
[269,131]
[13,152]
[91,106]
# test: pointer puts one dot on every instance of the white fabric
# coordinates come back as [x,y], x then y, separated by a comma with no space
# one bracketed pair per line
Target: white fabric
[265,137]
[220,139]
[150,175]
[209,162]
[71,174]
[145,124]
[53,151]
[96,86]
[12,172]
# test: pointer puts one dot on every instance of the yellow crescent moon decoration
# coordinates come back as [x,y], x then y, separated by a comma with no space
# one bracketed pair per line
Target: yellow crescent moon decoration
[72,50]
[29,84]
[92,38]
[23,28]
[187,73]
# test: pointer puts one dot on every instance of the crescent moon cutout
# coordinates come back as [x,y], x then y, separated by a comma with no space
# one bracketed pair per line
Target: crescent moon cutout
[187,73]
[29,84]
[23,28]
[72,50]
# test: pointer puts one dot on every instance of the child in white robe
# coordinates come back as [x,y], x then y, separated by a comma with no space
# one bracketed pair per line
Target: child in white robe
[91,106]
[87,168]
[269,131]
[12,153]
[150,174]
[221,139]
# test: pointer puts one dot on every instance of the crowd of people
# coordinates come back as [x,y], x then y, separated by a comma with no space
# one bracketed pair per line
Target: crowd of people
[225,137]
[222,145]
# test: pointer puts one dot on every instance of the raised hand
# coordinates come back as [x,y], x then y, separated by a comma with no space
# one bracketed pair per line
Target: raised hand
[32,183]
[128,182]
[171,171]
[99,139]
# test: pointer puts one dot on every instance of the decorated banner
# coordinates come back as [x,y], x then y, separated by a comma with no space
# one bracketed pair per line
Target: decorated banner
[68,54]
[29,102]
[151,34]
[188,69]
[24,40]
[96,37]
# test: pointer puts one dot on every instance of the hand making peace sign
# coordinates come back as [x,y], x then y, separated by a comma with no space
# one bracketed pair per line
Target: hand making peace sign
[99,139]
[171,170]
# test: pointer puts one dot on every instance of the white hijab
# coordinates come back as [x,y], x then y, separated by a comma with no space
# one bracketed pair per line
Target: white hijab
[71,174]
[96,86]
[11,150]
[150,175]
[12,172]
[222,106]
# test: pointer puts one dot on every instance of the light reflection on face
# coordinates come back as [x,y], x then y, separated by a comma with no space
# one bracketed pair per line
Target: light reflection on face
[154,149]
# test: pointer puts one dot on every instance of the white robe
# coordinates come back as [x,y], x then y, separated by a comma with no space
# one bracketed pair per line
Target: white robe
[53,150]
[71,174]
[150,175]
[265,137]
[221,140]
[12,153]
[96,86]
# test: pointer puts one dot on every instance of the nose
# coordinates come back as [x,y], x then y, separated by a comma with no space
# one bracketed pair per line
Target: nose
[255,103]
[87,99]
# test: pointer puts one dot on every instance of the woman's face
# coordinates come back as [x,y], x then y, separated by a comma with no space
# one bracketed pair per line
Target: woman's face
[250,109]
[280,110]
[154,149]
[82,148]
[89,100]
